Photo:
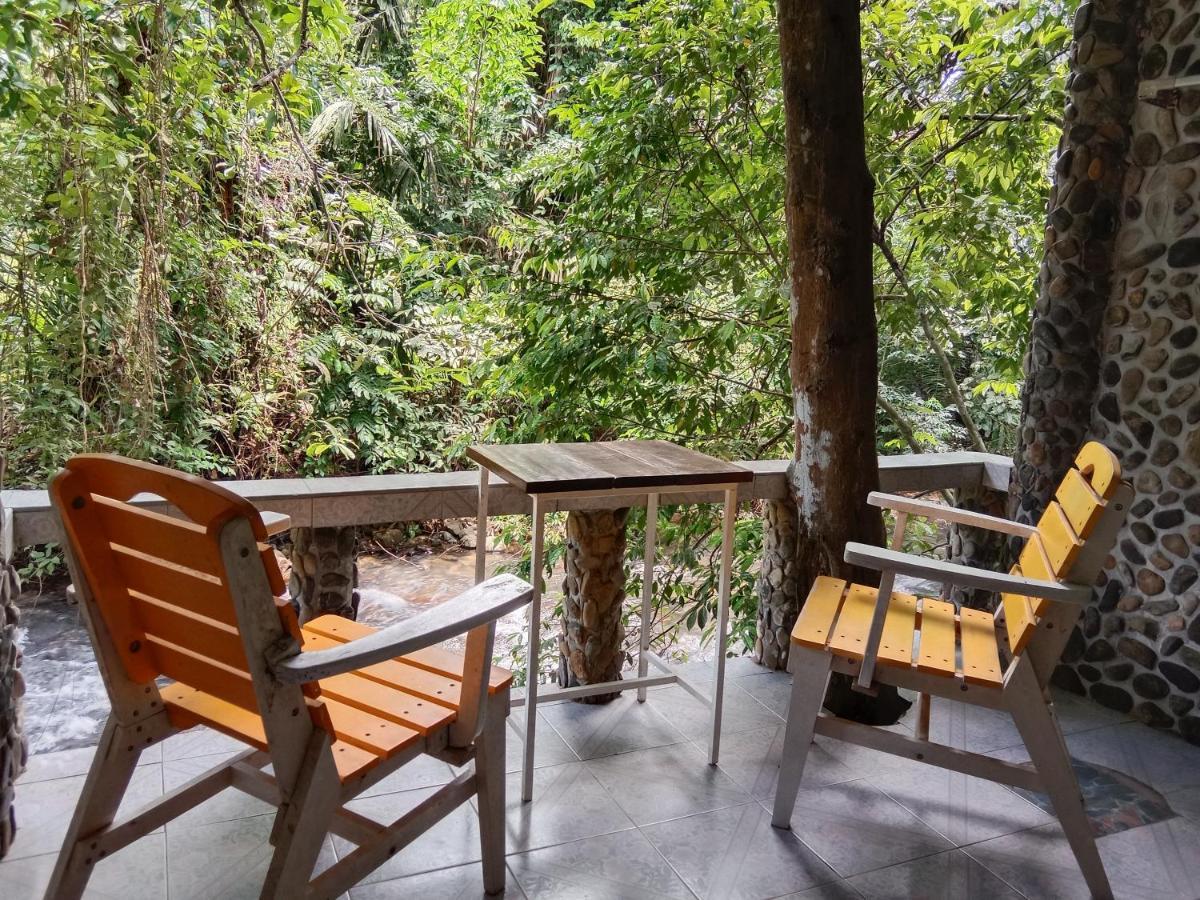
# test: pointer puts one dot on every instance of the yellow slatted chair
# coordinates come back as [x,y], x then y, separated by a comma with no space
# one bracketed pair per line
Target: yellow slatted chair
[332,707]
[1000,662]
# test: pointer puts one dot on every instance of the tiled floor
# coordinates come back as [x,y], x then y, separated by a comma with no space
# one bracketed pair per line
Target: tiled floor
[626,807]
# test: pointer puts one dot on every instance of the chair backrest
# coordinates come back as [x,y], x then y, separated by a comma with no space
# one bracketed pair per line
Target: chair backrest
[1070,542]
[159,581]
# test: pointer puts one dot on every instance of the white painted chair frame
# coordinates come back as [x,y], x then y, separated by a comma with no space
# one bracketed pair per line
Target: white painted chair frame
[1023,695]
[304,784]
[543,503]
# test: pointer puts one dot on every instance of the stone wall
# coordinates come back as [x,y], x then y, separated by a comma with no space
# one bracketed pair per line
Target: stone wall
[779,590]
[13,748]
[1138,648]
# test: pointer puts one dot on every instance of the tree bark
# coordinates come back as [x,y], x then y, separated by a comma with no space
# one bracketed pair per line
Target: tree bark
[591,644]
[324,572]
[834,361]
[1062,364]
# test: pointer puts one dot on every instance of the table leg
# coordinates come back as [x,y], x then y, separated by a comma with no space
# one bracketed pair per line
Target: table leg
[534,647]
[718,695]
[647,590]
[481,521]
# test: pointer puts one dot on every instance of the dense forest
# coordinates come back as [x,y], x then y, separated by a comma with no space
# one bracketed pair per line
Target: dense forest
[255,239]
[250,239]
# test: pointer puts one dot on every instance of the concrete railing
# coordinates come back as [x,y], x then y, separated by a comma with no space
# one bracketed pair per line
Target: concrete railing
[379,499]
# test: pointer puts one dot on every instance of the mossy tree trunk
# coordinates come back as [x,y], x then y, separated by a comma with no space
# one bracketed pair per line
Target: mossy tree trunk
[324,572]
[591,643]
[834,355]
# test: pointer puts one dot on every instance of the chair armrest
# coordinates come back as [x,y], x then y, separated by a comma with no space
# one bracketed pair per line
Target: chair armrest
[481,604]
[949,514]
[275,523]
[963,576]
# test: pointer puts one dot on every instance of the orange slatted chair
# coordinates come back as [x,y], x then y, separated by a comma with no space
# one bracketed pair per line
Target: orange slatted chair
[333,707]
[1001,662]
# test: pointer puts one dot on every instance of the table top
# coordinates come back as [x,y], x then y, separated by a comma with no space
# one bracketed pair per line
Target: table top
[555,468]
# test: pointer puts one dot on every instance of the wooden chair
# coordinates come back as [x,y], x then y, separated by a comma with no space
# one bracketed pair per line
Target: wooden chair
[928,646]
[196,599]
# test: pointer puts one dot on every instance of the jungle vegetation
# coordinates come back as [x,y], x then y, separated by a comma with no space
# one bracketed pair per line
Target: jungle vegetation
[254,238]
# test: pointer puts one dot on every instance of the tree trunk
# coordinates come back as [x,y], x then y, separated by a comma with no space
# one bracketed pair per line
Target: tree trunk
[324,572]
[977,547]
[591,645]
[834,364]
[1062,364]
[779,594]
[13,749]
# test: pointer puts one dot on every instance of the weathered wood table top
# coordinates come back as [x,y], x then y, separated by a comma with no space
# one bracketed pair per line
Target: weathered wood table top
[604,465]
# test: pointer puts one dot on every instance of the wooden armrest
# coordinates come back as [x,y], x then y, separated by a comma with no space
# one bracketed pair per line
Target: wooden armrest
[481,604]
[949,514]
[274,522]
[963,576]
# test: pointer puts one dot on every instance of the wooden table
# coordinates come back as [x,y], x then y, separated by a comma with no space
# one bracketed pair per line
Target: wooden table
[580,476]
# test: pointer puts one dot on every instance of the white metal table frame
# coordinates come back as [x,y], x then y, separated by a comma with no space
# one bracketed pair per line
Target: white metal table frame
[557,501]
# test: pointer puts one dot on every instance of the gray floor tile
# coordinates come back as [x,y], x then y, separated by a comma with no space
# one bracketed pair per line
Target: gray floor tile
[595,730]
[693,719]
[973,728]
[620,866]
[453,841]
[1077,713]
[199,741]
[772,689]
[228,804]
[549,749]
[835,890]
[751,758]
[1155,861]
[44,808]
[1186,802]
[1164,761]
[65,763]
[735,853]
[962,808]
[944,876]
[568,804]
[224,860]
[136,872]
[459,883]
[666,783]
[422,772]
[855,827]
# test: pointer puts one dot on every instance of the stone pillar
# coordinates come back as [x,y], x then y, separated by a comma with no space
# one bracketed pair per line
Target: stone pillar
[1139,645]
[1076,278]
[977,547]
[324,572]
[591,644]
[779,596]
[13,749]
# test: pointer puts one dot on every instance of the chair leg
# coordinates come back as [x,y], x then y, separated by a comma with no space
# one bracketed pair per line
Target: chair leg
[111,770]
[810,679]
[489,776]
[303,823]
[1048,750]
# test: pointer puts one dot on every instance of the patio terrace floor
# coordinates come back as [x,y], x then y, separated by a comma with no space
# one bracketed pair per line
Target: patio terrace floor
[626,807]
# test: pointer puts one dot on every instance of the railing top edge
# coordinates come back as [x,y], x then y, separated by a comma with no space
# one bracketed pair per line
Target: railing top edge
[32,520]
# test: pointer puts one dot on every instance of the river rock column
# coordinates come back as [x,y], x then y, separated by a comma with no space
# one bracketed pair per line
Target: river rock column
[778,587]
[13,749]
[591,644]
[1138,648]
[977,547]
[324,572]
[1076,278]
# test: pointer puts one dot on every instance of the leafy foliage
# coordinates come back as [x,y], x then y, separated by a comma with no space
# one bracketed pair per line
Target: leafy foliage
[328,236]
